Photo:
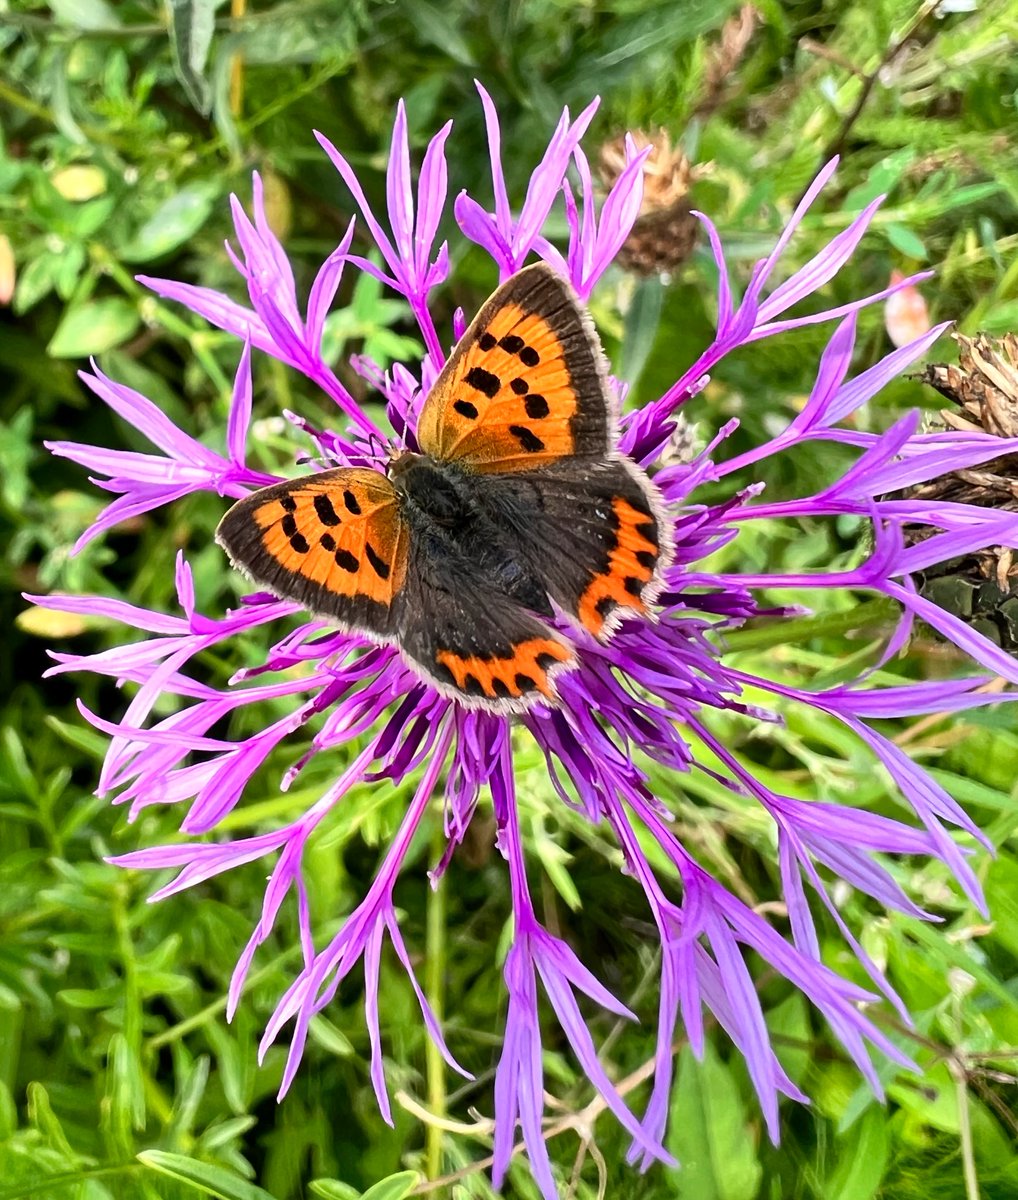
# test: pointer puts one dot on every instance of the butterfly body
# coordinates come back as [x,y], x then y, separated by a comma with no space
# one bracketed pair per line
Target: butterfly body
[517,511]
[458,523]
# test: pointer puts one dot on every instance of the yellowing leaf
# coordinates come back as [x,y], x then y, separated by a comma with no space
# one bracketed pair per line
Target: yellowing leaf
[80,182]
[45,623]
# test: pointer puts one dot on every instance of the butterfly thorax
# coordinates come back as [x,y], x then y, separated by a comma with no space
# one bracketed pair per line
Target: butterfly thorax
[438,491]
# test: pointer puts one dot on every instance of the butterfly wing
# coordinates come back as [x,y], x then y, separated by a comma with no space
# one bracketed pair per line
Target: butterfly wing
[333,542]
[338,544]
[472,641]
[593,532]
[525,386]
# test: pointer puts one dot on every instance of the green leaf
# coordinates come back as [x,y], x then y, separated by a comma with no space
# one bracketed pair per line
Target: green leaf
[1002,900]
[207,1178]
[861,1159]
[333,1189]
[643,320]
[192,23]
[175,221]
[93,327]
[710,1133]
[902,238]
[42,1116]
[395,1187]
[37,280]
[440,26]
[85,14]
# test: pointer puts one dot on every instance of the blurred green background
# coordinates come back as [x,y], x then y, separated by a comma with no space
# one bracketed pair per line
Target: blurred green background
[123,132]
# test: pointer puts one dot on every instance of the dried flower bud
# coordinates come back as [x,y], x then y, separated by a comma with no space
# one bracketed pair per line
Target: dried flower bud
[982,588]
[665,231]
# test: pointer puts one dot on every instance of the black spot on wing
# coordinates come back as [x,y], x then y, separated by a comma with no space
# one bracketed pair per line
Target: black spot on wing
[466,409]
[300,543]
[323,507]
[529,356]
[287,504]
[526,438]
[379,565]
[327,542]
[346,561]
[473,686]
[483,381]
[536,406]
[350,500]
[520,387]
[512,343]
[487,341]
[289,524]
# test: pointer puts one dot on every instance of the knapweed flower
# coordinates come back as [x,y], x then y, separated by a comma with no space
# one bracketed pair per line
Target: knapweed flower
[635,707]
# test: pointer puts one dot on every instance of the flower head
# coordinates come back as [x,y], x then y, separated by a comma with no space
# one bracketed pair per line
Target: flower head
[637,706]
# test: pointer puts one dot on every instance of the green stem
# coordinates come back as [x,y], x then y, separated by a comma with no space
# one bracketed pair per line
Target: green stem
[769,633]
[197,338]
[434,987]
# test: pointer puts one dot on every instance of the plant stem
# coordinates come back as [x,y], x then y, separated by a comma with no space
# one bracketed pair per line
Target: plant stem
[434,987]
[803,629]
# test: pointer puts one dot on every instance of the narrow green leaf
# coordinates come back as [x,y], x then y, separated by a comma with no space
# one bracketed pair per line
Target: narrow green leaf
[333,1189]
[192,23]
[395,1187]
[93,327]
[205,1177]
[902,238]
[710,1134]
[861,1159]
[175,221]
[42,1116]
[85,14]
[82,738]
[125,1088]
[8,1113]
[643,320]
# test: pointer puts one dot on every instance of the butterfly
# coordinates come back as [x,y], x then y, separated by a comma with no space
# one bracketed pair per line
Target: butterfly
[518,508]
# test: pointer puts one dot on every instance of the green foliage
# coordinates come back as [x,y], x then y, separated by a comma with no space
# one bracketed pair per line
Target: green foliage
[123,128]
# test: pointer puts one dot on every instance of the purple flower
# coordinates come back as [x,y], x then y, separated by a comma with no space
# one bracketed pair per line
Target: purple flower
[641,702]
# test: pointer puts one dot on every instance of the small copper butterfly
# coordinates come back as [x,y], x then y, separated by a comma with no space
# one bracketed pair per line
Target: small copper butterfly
[518,501]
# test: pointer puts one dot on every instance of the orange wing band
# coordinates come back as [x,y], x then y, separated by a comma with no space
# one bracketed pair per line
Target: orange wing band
[524,672]
[630,568]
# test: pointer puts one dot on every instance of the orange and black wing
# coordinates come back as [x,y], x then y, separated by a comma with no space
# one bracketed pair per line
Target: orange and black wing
[334,542]
[473,641]
[338,543]
[525,386]
[595,533]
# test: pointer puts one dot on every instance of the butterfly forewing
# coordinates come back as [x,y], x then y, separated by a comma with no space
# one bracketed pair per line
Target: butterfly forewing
[334,542]
[525,385]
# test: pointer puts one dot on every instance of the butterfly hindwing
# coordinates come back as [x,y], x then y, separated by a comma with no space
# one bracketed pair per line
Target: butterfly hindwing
[591,530]
[335,542]
[525,385]
[471,640]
